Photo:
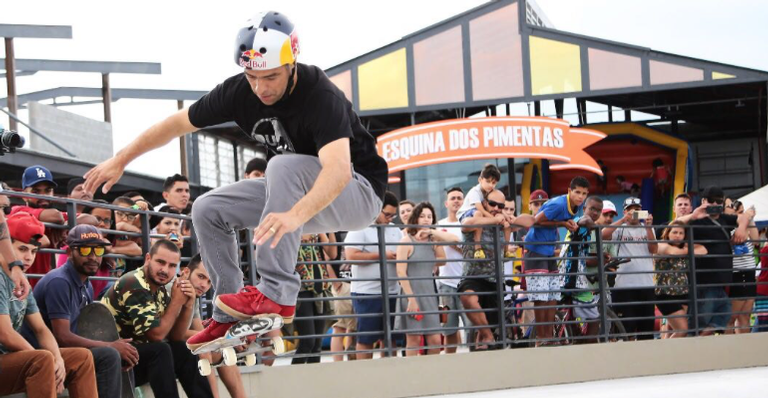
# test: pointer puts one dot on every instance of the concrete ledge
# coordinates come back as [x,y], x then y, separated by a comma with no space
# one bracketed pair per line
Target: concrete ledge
[495,370]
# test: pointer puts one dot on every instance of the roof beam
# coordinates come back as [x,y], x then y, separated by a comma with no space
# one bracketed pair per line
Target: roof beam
[117,93]
[151,68]
[36,31]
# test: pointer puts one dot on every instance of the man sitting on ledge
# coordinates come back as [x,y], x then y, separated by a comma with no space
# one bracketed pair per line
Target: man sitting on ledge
[147,314]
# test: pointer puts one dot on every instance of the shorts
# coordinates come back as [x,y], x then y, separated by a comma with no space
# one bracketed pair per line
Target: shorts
[667,308]
[714,308]
[541,275]
[744,285]
[364,305]
[487,301]
[585,311]
[449,299]
[344,307]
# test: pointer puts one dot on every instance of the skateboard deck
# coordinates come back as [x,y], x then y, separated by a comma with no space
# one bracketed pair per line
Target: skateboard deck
[242,333]
[97,323]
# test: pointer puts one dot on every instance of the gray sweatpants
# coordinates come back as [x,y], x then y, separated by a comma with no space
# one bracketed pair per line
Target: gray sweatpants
[219,213]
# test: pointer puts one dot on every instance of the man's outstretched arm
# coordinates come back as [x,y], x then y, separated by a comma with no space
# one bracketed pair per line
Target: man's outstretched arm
[111,170]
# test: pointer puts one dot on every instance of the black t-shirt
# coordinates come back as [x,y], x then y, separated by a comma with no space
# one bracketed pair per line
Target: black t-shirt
[722,246]
[315,114]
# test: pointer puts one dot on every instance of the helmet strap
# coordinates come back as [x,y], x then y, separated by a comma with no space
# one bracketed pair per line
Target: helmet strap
[289,86]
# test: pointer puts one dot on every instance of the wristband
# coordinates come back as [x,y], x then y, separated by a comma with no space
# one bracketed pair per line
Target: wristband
[16,263]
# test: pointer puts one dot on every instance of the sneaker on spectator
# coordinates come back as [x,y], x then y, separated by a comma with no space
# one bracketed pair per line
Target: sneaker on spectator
[250,302]
[213,330]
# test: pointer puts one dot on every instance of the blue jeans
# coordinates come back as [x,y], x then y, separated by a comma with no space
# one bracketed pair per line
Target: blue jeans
[714,308]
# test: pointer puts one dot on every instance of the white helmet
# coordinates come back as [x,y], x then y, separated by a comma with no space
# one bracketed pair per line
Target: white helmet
[267,41]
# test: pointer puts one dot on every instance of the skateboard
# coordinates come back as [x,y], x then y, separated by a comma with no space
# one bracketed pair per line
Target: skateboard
[242,333]
[97,323]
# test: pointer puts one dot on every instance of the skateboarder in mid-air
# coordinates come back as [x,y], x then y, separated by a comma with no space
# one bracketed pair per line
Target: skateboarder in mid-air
[324,174]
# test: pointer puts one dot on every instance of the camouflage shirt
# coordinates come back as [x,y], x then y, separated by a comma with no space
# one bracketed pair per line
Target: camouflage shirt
[480,267]
[135,308]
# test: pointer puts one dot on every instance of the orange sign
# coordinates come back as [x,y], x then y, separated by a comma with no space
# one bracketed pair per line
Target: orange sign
[491,137]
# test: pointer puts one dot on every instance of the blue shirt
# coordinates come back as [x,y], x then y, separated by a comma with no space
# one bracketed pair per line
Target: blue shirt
[557,209]
[61,294]
[16,309]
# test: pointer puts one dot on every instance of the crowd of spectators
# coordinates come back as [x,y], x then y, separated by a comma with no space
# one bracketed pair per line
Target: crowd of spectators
[439,282]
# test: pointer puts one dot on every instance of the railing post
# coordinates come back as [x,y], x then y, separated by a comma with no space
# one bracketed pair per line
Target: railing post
[145,231]
[499,265]
[603,284]
[692,282]
[384,275]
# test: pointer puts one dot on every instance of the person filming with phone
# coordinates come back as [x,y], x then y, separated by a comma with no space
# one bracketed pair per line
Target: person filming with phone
[634,281]
[713,229]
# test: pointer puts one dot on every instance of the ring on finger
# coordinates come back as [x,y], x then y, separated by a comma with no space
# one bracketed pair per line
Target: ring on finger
[272,229]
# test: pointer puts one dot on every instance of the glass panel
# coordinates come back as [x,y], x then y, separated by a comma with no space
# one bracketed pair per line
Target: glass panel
[439,68]
[555,66]
[432,182]
[664,73]
[611,70]
[496,55]
[383,82]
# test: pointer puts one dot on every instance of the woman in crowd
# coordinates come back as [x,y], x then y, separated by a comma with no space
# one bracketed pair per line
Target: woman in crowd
[311,253]
[423,258]
[744,288]
[671,278]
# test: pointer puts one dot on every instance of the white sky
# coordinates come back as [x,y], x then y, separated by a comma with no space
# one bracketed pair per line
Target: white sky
[193,41]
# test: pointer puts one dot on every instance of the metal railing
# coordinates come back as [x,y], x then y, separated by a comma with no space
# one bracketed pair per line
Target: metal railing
[512,326]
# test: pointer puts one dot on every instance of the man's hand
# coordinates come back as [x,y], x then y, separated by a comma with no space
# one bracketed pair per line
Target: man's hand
[739,236]
[188,290]
[274,226]
[571,226]
[649,220]
[128,352]
[21,284]
[60,373]
[500,218]
[391,255]
[178,293]
[108,171]
[56,236]
[700,212]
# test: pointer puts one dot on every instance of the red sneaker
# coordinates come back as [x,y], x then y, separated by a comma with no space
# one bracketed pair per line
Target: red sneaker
[213,330]
[250,303]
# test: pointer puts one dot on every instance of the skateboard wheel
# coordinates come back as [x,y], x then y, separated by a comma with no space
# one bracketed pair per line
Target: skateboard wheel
[278,346]
[230,356]
[250,360]
[204,366]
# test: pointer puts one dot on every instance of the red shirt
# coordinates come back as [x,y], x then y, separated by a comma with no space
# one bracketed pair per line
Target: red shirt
[43,261]
[762,290]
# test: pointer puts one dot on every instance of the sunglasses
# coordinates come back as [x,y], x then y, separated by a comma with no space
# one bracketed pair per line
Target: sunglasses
[631,201]
[717,201]
[495,204]
[85,251]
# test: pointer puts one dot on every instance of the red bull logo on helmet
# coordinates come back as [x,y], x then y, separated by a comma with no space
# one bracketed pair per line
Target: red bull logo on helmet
[253,59]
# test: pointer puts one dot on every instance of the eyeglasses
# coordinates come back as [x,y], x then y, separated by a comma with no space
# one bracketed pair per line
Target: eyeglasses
[85,251]
[495,204]
[105,221]
[388,215]
[128,216]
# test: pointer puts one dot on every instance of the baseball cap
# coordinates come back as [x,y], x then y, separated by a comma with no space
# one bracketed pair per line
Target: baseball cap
[25,228]
[34,174]
[608,207]
[538,196]
[712,192]
[83,235]
[630,201]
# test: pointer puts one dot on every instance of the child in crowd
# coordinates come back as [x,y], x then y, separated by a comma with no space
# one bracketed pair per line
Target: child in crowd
[473,202]
[624,185]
